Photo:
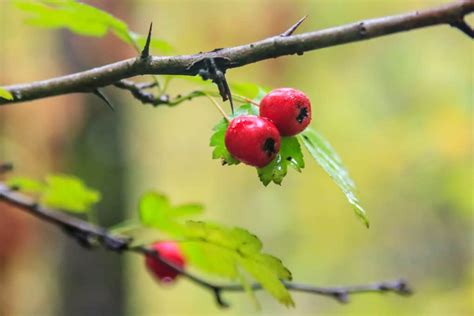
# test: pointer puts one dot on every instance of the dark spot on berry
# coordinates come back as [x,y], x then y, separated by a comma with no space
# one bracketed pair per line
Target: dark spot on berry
[269,147]
[302,115]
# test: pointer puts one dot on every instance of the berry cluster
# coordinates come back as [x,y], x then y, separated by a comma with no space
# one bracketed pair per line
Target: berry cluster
[255,140]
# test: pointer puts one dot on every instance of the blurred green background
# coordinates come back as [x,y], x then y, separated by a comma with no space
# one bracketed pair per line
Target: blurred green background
[398,110]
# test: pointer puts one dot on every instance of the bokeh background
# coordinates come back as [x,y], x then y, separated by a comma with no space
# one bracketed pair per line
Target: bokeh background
[398,109]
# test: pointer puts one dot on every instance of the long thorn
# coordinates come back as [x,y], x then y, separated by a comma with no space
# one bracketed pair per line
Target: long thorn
[102,96]
[293,28]
[146,50]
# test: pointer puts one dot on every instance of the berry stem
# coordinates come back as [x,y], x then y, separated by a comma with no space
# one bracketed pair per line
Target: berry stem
[218,107]
[246,99]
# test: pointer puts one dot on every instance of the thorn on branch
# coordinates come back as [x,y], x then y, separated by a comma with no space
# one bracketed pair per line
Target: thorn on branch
[293,28]
[208,69]
[146,50]
[462,25]
[102,96]
[219,300]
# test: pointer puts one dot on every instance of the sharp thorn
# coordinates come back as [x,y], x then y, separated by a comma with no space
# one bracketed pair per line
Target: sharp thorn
[146,50]
[464,27]
[293,28]
[102,96]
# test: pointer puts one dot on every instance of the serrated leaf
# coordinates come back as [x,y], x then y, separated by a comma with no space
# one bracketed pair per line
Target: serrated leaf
[267,279]
[290,155]
[4,94]
[240,248]
[218,142]
[327,158]
[25,184]
[68,193]
[156,211]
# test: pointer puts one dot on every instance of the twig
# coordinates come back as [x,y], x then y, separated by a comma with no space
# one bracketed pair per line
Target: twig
[272,47]
[90,235]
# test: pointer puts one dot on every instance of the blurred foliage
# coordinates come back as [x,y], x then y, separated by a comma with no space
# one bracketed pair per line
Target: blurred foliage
[63,192]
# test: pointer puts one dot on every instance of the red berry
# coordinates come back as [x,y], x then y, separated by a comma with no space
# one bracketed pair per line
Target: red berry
[289,109]
[253,140]
[169,251]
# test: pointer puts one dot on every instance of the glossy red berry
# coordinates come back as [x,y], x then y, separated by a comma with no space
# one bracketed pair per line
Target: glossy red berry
[253,140]
[289,109]
[169,251]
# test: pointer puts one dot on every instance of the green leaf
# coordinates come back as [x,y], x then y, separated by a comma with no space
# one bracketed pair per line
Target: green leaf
[210,258]
[218,137]
[84,20]
[266,277]
[218,250]
[218,142]
[156,211]
[328,159]
[290,155]
[25,184]
[68,193]
[4,94]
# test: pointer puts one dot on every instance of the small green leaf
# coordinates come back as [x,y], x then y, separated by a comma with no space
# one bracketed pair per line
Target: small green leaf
[290,154]
[4,94]
[328,159]
[68,193]
[218,142]
[25,184]
[156,211]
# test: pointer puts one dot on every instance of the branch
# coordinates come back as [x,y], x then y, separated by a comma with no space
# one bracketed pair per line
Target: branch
[90,80]
[90,236]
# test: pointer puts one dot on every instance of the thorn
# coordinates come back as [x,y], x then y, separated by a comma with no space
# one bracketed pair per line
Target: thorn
[219,300]
[293,28]
[463,27]
[229,94]
[146,50]
[102,96]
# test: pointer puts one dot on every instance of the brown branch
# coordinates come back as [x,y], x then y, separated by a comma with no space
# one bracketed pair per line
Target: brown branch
[91,236]
[272,47]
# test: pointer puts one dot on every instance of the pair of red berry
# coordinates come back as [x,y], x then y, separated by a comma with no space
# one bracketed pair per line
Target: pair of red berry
[255,140]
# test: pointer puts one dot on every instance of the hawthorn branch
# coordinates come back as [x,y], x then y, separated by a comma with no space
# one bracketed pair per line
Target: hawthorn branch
[190,65]
[93,236]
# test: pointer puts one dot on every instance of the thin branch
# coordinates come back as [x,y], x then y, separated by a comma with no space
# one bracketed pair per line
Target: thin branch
[272,47]
[90,236]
